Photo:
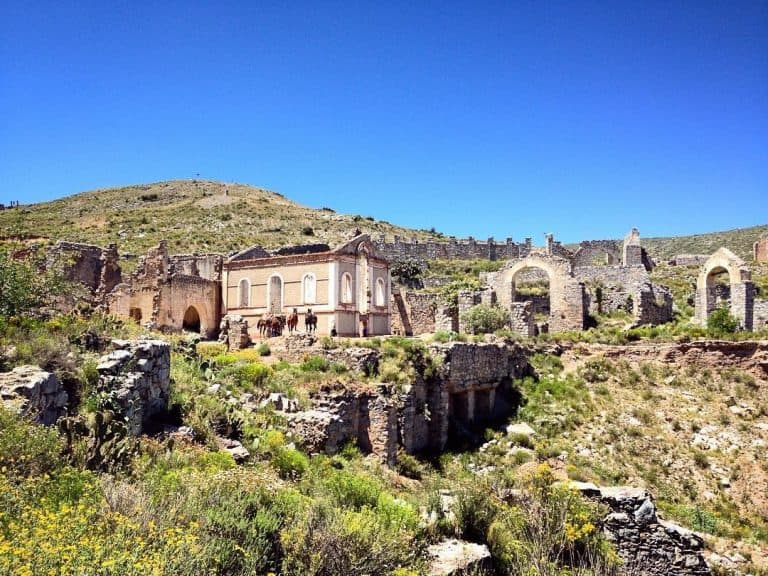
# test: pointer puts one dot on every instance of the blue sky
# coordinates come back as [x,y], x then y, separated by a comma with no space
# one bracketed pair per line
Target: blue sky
[485,119]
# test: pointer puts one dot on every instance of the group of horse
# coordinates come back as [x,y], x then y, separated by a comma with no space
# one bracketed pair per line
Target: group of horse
[270,324]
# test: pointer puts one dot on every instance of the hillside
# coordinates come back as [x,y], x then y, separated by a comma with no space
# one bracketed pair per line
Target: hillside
[192,215]
[739,240]
[204,216]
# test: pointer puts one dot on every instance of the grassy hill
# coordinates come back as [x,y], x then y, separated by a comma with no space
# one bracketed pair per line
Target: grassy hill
[740,241]
[192,215]
[204,216]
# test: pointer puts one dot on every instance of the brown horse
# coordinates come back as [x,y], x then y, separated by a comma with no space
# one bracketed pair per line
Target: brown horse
[293,321]
[310,321]
[276,325]
[264,325]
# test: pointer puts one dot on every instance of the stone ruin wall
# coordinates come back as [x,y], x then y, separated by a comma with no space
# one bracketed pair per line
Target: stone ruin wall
[164,287]
[472,385]
[760,250]
[616,288]
[96,268]
[416,313]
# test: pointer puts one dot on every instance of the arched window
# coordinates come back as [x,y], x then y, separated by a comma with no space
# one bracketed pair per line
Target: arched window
[381,292]
[346,288]
[309,288]
[245,293]
[275,295]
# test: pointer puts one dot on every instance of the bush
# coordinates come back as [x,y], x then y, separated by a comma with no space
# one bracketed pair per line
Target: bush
[484,319]
[315,364]
[307,231]
[721,321]
[263,349]
[25,448]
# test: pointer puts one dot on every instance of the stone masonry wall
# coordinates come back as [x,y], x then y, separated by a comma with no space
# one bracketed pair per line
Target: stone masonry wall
[31,390]
[760,315]
[521,319]
[760,250]
[648,545]
[137,374]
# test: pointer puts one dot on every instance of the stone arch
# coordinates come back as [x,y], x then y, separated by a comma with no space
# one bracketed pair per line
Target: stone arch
[191,322]
[566,294]
[741,288]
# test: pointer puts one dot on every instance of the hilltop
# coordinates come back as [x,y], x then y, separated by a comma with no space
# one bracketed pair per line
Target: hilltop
[205,216]
[192,215]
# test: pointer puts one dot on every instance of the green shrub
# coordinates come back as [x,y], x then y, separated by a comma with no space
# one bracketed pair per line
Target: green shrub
[720,321]
[484,319]
[27,449]
[290,463]
[263,349]
[315,364]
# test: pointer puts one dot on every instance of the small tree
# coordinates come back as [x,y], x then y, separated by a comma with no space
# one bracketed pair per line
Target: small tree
[24,287]
[482,319]
[721,321]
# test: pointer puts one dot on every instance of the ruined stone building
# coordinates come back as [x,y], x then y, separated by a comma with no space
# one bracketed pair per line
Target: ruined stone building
[347,287]
[599,277]
[181,292]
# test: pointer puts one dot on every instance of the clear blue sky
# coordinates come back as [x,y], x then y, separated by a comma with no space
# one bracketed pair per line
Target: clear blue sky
[509,118]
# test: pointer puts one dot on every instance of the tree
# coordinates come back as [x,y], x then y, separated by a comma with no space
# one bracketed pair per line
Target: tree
[24,287]
[721,321]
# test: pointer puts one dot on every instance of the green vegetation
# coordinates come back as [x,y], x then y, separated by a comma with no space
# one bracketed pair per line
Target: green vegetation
[192,215]
[483,319]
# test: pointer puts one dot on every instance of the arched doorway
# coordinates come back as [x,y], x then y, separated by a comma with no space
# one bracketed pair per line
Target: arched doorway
[191,321]
[532,284]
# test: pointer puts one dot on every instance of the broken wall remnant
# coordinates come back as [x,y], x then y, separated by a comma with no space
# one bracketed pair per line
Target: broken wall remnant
[760,250]
[471,385]
[234,331]
[137,374]
[32,391]
[96,268]
[646,544]
[742,290]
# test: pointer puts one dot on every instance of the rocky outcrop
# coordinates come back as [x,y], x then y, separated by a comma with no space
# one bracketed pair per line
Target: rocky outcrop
[137,376]
[33,391]
[648,545]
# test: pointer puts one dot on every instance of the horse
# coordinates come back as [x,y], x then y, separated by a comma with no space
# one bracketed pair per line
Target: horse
[310,321]
[293,321]
[264,325]
[277,324]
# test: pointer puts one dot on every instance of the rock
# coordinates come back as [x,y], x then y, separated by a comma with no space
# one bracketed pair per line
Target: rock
[280,403]
[238,452]
[646,513]
[31,390]
[520,428]
[454,557]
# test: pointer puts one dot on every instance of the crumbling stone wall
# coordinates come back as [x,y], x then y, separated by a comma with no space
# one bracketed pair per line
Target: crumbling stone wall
[648,545]
[616,288]
[416,313]
[689,259]
[760,315]
[521,319]
[597,253]
[233,330]
[96,268]
[419,416]
[33,391]
[162,293]
[760,250]
[464,249]
[367,418]
[138,375]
